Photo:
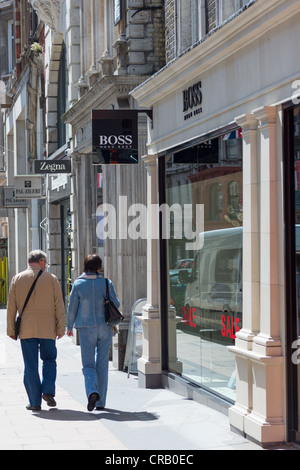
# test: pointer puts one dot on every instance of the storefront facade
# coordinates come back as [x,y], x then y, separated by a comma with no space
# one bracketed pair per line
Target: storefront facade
[221,147]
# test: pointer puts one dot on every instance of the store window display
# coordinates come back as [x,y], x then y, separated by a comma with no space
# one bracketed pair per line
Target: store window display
[205,285]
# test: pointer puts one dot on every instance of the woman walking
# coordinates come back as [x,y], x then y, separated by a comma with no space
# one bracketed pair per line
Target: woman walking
[86,312]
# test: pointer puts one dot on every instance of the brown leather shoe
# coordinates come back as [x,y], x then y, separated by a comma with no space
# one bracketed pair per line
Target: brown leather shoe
[93,398]
[49,399]
[33,408]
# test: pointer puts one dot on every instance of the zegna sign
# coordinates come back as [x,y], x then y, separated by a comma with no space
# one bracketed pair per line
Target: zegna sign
[44,167]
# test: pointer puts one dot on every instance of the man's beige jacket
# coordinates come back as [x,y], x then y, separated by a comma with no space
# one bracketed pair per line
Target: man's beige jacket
[44,315]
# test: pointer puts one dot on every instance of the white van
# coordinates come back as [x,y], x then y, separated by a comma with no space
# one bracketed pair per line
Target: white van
[213,298]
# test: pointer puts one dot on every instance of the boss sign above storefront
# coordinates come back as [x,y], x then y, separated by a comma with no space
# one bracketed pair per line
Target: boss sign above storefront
[115,137]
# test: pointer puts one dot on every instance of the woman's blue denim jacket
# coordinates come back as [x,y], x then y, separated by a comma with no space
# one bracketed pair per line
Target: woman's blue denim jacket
[86,306]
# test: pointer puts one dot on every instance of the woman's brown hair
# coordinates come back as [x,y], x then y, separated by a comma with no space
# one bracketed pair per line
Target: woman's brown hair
[92,263]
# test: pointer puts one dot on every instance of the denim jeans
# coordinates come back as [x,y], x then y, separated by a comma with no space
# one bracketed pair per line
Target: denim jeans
[33,385]
[95,344]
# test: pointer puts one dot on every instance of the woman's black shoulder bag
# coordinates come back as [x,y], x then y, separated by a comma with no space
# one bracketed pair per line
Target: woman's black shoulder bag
[19,318]
[112,315]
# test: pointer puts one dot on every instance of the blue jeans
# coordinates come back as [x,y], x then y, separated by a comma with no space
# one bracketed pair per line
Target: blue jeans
[95,344]
[33,385]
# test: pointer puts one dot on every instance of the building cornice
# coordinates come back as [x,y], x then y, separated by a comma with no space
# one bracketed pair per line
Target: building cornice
[6,5]
[227,40]
[98,96]
[48,11]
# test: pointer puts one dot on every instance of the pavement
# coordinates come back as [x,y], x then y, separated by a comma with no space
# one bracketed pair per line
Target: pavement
[135,419]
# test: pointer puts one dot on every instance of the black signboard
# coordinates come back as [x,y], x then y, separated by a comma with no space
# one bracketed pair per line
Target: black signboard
[52,167]
[115,137]
[204,153]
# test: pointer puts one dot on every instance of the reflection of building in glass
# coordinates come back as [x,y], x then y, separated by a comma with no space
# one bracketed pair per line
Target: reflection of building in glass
[206,286]
[218,186]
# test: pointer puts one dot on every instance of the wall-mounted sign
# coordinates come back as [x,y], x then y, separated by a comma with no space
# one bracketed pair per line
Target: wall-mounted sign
[117,11]
[115,136]
[53,167]
[10,201]
[192,101]
[28,187]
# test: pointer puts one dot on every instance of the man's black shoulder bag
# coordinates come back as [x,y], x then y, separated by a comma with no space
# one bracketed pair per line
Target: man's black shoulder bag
[19,318]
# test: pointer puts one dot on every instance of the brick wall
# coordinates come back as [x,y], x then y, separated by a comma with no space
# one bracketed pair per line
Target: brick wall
[145,34]
[211,20]
[170,28]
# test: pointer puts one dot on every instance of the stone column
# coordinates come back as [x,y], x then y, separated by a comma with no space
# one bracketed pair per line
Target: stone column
[260,402]
[54,239]
[265,422]
[149,365]
[251,274]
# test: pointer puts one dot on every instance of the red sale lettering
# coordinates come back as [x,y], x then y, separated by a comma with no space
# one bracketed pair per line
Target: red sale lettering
[193,316]
[229,326]
[228,329]
[189,315]
[237,328]
[223,320]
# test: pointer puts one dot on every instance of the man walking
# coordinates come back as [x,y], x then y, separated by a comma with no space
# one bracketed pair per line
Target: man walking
[43,321]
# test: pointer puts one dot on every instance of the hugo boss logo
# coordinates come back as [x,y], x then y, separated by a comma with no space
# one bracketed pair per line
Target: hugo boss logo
[192,98]
[115,140]
[115,136]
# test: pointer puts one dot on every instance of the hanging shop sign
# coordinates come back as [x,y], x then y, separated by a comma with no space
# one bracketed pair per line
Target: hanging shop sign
[115,136]
[52,167]
[10,201]
[28,187]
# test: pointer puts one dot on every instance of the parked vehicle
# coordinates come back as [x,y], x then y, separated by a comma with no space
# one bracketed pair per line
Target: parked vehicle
[186,264]
[213,294]
[177,289]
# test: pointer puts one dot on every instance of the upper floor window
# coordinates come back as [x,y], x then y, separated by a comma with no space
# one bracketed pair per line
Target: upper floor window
[226,8]
[191,23]
[195,18]
[11,46]
[62,97]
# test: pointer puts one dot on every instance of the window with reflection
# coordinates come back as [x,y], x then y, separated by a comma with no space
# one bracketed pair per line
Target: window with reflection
[205,283]
[226,8]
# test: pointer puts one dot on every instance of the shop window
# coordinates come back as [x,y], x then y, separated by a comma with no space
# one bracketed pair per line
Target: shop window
[11,46]
[62,98]
[292,260]
[227,266]
[234,208]
[191,23]
[205,283]
[216,201]
[226,8]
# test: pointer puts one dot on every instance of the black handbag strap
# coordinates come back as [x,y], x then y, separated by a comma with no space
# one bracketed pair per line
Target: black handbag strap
[107,292]
[31,290]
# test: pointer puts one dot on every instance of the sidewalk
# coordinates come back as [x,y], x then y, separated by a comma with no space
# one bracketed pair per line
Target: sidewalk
[135,418]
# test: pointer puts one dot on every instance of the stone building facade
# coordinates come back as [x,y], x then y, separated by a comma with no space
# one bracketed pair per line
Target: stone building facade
[221,323]
[24,87]
[89,55]
[6,67]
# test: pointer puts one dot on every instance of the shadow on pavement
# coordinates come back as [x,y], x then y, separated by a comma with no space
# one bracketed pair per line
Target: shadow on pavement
[56,414]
